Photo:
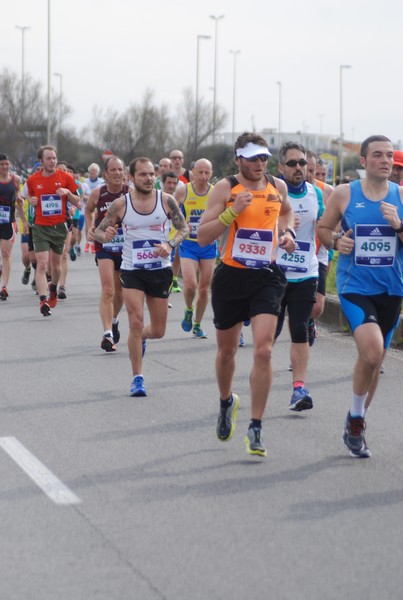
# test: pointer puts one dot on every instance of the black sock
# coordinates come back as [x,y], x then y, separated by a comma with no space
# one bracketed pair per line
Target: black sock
[42,298]
[226,403]
[255,424]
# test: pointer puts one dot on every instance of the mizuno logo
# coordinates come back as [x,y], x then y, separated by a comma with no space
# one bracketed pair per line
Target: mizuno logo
[359,204]
[375,231]
[255,236]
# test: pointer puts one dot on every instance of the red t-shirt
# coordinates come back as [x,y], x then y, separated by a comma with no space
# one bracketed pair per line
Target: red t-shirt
[51,208]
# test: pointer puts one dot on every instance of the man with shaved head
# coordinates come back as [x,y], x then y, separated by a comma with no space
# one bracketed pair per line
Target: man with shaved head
[197,263]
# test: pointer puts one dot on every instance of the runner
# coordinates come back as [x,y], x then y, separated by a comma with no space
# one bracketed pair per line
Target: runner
[369,272]
[146,272]
[9,199]
[108,256]
[252,214]
[49,190]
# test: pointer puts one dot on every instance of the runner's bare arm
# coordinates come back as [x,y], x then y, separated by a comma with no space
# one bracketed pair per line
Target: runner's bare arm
[210,227]
[106,229]
[89,211]
[328,224]
[178,220]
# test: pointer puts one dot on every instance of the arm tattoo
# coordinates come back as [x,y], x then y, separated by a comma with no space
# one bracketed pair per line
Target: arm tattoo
[177,218]
[112,216]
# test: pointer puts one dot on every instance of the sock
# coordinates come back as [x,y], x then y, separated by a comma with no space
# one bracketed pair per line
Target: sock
[52,287]
[255,424]
[174,279]
[108,333]
[357,405]
[298,384]
[138,375]
[42,298]
[196,324]
[226,403]
[115,321]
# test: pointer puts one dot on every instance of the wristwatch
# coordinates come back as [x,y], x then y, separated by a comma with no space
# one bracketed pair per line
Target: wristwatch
[172,243]
[290,231]
[400,230]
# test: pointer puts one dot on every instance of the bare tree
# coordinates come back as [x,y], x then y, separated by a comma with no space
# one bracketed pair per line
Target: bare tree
[23,118]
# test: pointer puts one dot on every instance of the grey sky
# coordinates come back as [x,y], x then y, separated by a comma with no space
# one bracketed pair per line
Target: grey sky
[109,53]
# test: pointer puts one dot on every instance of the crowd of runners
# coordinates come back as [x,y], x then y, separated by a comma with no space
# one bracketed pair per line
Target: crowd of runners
[257,246]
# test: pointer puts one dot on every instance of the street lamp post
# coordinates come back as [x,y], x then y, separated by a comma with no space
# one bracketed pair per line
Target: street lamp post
[199,37]
[279,115]
[48,103]
[60,76]
[341,119]
[216,19]
[234,53]
[23,29]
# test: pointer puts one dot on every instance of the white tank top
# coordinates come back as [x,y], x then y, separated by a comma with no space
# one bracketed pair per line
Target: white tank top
[141,233]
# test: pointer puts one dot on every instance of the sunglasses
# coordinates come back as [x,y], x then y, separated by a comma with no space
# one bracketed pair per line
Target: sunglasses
[262,157]
[293,163]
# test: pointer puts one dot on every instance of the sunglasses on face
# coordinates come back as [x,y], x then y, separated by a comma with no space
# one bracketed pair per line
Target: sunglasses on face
[293,163]
[262,157]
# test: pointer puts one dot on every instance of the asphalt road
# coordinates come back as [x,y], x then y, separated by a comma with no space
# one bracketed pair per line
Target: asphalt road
[135,498]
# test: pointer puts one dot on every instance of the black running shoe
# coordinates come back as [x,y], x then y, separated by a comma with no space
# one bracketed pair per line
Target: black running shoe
[44,308]
[107,344]
[226,421]
[115,332]
[25,276]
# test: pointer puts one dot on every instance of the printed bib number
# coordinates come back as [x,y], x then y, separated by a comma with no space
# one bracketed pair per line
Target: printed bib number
[375,245]
[5,214]
[116,243]
[144,255]
[193,227]
[51,205]
[298,261]
[253,247]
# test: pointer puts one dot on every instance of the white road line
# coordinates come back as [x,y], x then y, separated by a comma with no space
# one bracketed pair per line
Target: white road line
[45,479]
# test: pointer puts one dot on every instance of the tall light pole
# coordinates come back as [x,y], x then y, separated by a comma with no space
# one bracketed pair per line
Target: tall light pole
[199,37]
[234,53]
[48,103]
[60,76]
[279,115]
[23,29]
[341,119]
[216,19]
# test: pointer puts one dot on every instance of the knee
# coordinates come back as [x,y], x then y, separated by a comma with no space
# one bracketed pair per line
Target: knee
[262,355]
[299,332]
[107,293]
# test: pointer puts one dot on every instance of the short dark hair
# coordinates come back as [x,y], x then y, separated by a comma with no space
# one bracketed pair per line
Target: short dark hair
[3,156]
[249,137]
[289,146]
[165,176]
[140,159]
[310,154]
[42,150]
[369,140]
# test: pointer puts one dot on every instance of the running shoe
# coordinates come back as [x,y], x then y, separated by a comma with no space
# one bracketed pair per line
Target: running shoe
[52,300]
[33,285]
[226,422]
[254,442]
[143,347]
[62,293]
[107,344]
[25,276]
[137,388]
[175,289]
[382,370]
[115,332]
[3,293]
[353,437]
[241,341]
[301,400]
[78,250]
[312,332]
[187,319]
[44,308]
[73,255]
[198,332]
[290,367]
[93,248]
[87,247]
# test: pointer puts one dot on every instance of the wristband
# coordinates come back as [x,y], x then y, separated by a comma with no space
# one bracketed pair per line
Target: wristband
[227,217]
[172,243]
[400,230]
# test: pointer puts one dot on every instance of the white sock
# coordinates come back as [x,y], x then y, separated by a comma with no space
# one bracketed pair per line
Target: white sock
[108,332]
[357,406]
[115,321]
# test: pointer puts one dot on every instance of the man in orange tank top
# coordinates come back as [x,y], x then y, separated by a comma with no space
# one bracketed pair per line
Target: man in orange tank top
[252,215]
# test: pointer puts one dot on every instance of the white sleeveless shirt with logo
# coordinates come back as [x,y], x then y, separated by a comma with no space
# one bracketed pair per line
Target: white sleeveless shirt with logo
[142,232]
